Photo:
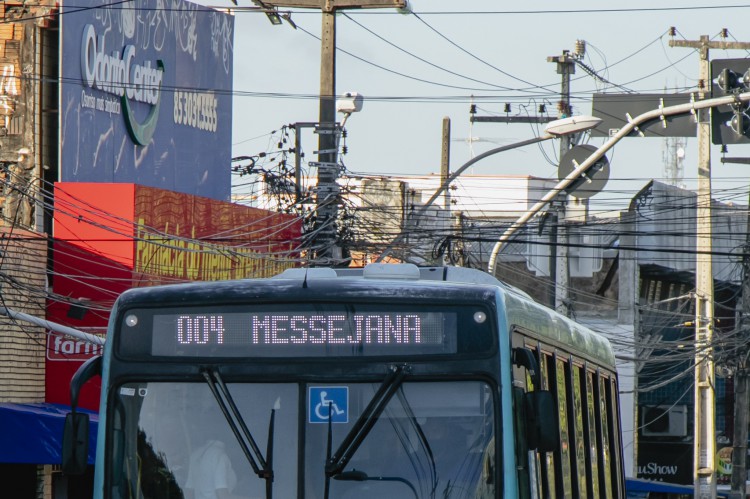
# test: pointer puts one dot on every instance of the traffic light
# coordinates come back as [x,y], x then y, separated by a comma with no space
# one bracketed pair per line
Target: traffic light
[730,124]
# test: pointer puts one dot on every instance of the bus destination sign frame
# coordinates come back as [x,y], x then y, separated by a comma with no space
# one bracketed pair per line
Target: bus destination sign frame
[296,330]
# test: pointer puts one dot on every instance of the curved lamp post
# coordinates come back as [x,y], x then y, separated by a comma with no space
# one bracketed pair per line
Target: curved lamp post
[662,112]
[556,128]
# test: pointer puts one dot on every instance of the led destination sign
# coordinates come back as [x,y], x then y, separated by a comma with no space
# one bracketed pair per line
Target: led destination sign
[280,333]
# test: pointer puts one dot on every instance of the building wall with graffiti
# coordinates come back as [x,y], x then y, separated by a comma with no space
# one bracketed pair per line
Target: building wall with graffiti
[10,83]
[20,25]
[146,95]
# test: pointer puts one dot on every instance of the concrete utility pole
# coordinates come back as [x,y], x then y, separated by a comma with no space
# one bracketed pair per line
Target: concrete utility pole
[704,450]
[558,261]
[445,171]
[561,270]
[445,161]
[327,193]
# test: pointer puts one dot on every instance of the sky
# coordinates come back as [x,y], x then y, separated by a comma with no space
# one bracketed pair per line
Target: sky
[414,69]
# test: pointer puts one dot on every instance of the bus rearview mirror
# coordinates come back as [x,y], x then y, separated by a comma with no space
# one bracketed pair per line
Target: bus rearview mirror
[75,443]
[541,414]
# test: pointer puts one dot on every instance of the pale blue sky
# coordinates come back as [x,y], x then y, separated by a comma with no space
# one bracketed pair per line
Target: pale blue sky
[501,50]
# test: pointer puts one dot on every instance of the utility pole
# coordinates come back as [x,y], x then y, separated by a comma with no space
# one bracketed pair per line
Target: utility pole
[445,161]
[558,260]
[325,250]
[561,271]
[445,172]
[704,450]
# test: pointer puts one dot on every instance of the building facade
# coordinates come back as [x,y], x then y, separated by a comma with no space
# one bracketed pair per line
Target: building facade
[115,145]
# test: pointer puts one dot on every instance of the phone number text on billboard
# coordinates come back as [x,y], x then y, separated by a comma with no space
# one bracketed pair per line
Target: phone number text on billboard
[196,109]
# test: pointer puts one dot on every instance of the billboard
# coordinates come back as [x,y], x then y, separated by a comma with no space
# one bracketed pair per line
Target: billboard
[665,461]
[145,95]
[109,237]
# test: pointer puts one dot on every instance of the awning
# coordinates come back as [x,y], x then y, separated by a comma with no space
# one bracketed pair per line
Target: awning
[641,485]
[32,433]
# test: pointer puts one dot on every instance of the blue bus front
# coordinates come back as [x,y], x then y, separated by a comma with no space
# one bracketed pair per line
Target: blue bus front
[317,392]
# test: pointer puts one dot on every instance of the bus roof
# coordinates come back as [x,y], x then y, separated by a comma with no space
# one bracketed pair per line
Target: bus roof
[520,308]
[405,280]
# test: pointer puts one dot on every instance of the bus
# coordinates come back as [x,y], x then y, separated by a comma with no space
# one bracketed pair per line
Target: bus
[387,381]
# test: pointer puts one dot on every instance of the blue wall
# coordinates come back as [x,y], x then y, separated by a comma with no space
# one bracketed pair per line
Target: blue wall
[146,95]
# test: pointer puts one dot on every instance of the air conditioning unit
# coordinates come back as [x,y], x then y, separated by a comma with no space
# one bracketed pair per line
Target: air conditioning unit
[664,421]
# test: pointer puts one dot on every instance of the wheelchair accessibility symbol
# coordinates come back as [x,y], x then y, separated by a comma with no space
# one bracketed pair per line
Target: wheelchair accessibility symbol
[328,402]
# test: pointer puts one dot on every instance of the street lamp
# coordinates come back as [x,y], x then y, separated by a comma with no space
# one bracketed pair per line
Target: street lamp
[655,114]
[556,128]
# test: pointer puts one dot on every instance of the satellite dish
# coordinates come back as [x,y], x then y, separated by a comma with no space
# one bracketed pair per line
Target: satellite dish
[593,180]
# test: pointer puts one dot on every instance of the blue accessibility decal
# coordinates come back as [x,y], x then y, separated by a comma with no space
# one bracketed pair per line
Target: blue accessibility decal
[328,402]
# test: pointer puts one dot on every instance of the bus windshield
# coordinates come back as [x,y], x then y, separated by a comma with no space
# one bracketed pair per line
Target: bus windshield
[433,439]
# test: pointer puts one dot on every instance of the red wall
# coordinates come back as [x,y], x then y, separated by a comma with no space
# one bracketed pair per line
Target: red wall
[111,237]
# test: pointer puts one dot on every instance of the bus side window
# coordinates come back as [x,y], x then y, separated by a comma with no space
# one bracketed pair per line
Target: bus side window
[603,437]
[549,473]
[577,431]
[614,437]
[589,418]
[563,464]
[587,462]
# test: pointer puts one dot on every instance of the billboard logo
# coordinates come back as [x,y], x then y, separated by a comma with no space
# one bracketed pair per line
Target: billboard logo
[118,75]
[65,348]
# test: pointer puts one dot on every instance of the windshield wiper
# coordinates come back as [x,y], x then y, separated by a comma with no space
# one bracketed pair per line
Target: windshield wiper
[336,463]
[422,437]
[264,467]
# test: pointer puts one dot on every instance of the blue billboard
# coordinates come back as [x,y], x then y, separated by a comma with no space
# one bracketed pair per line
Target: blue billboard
[146,95]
